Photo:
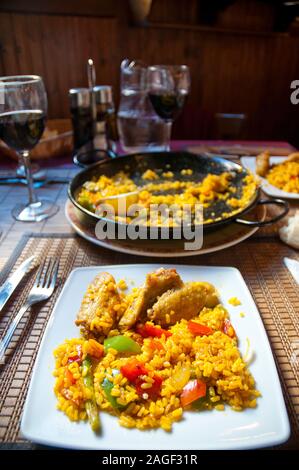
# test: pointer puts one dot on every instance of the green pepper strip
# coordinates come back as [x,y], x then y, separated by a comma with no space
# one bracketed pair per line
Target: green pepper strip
[122,344]
[90,405]
[108,387]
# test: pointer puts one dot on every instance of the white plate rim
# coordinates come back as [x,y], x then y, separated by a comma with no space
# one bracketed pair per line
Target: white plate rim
[285,433]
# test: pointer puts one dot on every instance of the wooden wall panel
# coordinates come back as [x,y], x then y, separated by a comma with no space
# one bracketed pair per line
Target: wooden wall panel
[57,47]
[248,14]
[177,11]
[63,7]
[231,71]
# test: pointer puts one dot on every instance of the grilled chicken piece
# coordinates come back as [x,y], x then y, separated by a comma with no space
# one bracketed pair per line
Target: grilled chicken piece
[262,163]
[97,314]
[185,302]
[293,157]
[155,285]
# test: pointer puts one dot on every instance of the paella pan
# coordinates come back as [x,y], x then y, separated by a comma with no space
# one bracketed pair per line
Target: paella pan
[225,190]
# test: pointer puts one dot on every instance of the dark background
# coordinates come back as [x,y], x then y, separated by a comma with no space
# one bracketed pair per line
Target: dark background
[243,54]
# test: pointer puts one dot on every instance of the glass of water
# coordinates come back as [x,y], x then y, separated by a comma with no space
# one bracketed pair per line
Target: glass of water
[140,128]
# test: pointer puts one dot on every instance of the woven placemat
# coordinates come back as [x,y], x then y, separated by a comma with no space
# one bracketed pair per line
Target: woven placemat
[259,259]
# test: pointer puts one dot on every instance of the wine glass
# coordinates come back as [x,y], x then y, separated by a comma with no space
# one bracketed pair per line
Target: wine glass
[22,121]
[168,87]
[37,172]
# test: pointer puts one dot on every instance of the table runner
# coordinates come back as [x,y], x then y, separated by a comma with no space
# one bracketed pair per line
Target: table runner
[259,260]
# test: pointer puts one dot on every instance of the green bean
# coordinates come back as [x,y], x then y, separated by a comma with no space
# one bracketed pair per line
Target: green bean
[90,404]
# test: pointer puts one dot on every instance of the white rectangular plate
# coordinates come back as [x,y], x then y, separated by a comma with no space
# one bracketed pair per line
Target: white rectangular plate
[269,189]
[264,426]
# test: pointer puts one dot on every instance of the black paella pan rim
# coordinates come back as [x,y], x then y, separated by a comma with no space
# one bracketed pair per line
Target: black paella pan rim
[202,165]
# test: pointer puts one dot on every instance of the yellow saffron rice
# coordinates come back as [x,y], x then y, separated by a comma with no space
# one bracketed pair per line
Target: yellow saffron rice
[285,176]
[234,301]
[167,191]
[175,359]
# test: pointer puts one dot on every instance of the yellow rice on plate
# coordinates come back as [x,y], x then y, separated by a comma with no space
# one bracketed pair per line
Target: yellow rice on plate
[285,176]
[169,362]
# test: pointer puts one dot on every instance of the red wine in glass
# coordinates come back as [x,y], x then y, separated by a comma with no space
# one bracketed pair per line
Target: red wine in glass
[22,129]
[167,89]
[167,105]
[22,122]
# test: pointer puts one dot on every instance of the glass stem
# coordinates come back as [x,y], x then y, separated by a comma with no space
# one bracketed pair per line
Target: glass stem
[26,162]
[168,125]
[20,161]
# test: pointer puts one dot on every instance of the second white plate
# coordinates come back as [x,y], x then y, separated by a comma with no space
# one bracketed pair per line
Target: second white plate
[269,189]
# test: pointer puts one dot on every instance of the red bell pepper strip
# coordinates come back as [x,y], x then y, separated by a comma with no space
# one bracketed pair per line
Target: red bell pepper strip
[146,330]
[133,369]
[70,376]
[77,357]
[228,329]
[153,392]
[156,345]
[199,330]
[194,390]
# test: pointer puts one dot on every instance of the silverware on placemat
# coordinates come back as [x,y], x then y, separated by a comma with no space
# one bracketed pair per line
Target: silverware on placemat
[14,280]
[42,289]
[293,266]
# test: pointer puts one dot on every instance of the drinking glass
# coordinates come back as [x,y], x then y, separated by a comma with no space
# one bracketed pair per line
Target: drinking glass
[35,170]
[168,87]
[140,129]
[22,121]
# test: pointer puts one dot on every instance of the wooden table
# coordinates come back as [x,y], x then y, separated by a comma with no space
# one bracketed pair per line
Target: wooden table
[258,272]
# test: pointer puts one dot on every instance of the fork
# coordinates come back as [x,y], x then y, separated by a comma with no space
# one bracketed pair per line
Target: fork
[42,289]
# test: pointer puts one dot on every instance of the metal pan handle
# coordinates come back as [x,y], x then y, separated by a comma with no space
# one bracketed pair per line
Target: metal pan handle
[264,202]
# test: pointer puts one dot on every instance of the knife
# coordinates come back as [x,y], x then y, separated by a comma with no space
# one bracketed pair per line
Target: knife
[13,281]
[293,267]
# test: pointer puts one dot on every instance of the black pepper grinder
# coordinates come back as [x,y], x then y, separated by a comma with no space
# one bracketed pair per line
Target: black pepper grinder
[106,116]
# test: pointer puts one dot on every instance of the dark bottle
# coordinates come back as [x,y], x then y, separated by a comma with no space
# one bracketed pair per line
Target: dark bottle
[80,104]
